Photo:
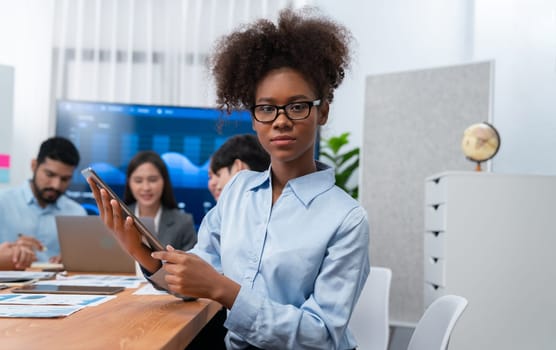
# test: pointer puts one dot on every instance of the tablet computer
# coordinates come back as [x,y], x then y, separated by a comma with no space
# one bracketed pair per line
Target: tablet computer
[66,289]
[151,239]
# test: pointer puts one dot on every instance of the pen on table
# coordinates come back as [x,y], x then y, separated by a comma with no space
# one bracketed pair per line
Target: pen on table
[42,248]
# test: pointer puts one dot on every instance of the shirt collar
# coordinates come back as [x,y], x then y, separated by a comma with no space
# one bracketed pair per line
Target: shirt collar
[28,193]
[306,187]
[260,179]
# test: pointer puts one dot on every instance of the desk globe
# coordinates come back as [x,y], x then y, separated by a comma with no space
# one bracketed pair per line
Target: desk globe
[480,143]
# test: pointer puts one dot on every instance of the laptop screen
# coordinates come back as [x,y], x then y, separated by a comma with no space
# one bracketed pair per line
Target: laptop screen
[87,245]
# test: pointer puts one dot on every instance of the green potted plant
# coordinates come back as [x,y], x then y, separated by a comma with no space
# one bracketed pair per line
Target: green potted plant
[344,162]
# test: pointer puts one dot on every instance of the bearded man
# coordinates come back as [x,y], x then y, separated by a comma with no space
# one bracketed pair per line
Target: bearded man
[27,212]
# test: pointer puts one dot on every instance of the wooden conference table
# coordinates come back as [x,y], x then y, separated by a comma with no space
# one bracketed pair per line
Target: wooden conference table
[126,322]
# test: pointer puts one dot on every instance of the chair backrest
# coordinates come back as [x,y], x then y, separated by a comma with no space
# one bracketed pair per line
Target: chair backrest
[435,326]
[370,321]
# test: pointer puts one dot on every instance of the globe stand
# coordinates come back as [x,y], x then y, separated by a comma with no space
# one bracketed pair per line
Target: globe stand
[478,167]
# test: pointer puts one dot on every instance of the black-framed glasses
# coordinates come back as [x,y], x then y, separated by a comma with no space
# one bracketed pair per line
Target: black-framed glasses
[266,113]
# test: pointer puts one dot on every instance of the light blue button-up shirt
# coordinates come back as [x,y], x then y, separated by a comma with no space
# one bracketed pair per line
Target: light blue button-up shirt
[301,262]
[20,212]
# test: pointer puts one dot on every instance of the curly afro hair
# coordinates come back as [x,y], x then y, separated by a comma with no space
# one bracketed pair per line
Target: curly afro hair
[314,45]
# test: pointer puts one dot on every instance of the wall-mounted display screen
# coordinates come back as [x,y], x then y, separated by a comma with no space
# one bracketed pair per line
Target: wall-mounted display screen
[108,135]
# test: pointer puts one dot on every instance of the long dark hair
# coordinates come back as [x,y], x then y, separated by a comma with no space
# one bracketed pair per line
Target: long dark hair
[168,200]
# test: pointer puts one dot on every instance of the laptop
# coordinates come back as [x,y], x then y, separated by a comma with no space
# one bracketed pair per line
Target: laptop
[87,245]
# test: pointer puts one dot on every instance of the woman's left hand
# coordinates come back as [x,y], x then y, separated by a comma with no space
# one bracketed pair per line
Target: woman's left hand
[187,274]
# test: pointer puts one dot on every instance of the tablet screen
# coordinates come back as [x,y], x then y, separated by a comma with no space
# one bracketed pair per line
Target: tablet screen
[151,239]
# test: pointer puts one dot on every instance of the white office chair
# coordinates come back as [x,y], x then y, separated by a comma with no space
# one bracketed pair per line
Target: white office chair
[369,321]
[435,326]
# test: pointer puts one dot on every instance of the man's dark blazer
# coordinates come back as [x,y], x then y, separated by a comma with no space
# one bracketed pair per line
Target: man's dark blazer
[175,228]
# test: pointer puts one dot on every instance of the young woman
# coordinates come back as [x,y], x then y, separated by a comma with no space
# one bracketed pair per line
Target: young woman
[149,193]
[285,250]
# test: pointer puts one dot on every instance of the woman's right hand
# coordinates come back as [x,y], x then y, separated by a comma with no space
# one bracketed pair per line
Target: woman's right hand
[124,229]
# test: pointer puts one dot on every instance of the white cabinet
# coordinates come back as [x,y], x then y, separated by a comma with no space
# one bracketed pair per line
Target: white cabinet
[491,238]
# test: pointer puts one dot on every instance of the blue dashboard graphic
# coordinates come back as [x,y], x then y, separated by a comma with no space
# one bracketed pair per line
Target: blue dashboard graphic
[108,135]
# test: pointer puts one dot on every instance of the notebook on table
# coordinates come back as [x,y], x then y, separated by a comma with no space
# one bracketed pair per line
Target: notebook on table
[87,245]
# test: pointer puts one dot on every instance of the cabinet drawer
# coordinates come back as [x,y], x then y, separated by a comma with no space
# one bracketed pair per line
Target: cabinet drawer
[432,292]
[435,191]
[435,217]
[434,244]
[435,271]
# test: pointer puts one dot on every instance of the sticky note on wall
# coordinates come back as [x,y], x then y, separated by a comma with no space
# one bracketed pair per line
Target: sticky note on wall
[4,168]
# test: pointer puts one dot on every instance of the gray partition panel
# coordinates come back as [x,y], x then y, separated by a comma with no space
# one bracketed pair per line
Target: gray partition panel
[413,127]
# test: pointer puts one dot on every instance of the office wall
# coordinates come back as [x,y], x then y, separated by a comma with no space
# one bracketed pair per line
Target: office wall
[6,119]
[26,37]
[521,36]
